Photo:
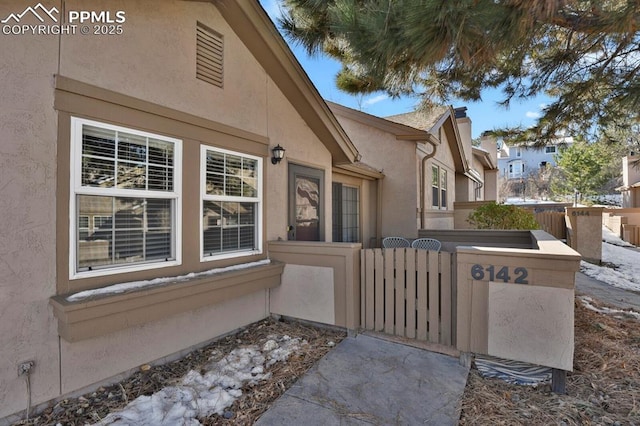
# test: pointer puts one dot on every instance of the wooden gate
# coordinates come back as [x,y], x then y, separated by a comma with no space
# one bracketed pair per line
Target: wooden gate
[408,292]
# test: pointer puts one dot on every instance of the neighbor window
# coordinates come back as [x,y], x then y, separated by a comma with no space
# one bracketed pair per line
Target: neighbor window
[231,190]
[438,187]
[550,149]
[127,182]
[516,169]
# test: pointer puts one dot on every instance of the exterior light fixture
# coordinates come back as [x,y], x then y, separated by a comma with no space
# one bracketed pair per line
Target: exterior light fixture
[278,154]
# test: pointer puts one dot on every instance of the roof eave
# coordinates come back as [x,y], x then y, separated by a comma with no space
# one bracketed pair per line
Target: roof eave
[485,158]
[400,131]
[254,27]
[454,139]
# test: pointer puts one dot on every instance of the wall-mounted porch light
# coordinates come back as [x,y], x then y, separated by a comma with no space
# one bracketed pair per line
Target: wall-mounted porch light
[278,154]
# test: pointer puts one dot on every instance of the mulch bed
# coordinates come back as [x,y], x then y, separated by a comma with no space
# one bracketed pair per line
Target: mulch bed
[603,389]
[254,401]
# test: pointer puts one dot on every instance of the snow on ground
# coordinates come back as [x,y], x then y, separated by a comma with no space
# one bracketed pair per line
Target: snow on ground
[611,238]
[201,394]
[625,270]
[587,302]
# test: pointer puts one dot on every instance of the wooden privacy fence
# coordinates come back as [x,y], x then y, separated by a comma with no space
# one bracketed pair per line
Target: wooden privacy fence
[409,293]
[631,234]
[553,223]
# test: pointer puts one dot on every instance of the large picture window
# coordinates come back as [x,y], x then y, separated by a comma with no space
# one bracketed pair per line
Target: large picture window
[125,199]
[231,190]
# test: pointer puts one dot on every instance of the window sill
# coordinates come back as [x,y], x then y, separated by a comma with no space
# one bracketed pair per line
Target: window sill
[87,318]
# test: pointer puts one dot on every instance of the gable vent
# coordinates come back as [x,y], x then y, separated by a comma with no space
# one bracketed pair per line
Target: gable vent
[209,55]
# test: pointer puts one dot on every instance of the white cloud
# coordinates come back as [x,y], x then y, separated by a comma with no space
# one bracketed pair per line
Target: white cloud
[532,114]
[375,100]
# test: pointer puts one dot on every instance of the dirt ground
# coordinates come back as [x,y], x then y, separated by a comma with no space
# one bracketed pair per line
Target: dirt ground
[255,400]
[603,389]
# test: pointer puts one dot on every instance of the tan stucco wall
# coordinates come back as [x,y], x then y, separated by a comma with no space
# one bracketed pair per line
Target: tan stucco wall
[491,185]
[630,173]
[306,292]
[586,231]
[529,321]
[397,160]
[89,361]
[154,61]
[27,212]
[303,148]
[368,205]
[434,218]
[464,188]
[310,277]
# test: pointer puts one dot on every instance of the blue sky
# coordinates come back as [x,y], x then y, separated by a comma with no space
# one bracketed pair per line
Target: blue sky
[485,115]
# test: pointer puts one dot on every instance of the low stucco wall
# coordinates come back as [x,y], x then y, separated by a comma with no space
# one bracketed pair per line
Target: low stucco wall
[453,238]
[584,224]
[615,218]
[518,303]
[321,282]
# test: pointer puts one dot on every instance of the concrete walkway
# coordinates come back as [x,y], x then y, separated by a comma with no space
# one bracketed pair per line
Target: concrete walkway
[606,293]
[367,380]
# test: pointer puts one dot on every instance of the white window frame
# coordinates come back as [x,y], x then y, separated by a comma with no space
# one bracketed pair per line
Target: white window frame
[444,177]
[440,171]
[550,149]
[515,169]
[76,189]
[258,200]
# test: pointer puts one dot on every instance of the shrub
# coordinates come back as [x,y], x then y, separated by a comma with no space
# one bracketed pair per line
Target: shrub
[502,216]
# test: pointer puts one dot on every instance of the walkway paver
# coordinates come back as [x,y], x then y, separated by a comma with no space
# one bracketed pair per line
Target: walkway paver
[367,380]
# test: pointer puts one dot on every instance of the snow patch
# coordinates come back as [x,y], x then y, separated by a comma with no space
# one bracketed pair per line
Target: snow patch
[626,274]
[136,285]
[211,391]
[587,302]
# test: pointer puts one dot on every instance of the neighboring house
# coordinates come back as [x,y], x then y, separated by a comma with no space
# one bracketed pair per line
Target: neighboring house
[519,161]
[428,164]
[147,154]
[630,188]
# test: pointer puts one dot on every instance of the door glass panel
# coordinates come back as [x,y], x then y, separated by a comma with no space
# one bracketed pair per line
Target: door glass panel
[307,204]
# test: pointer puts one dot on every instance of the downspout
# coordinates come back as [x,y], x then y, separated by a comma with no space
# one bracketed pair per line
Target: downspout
[422,178]
[378,215]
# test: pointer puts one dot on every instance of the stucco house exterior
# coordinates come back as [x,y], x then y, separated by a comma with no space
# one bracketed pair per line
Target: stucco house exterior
[144,156]
[428,164]
[630,189]
[145,212]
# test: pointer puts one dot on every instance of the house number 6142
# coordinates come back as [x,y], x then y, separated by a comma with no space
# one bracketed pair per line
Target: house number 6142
[479,272]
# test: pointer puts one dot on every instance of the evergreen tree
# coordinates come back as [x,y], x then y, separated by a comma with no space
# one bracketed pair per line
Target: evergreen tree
[585,54]
[585,167]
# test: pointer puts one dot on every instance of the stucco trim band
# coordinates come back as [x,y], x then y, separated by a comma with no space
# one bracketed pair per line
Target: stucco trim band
[105,314]
[84,99]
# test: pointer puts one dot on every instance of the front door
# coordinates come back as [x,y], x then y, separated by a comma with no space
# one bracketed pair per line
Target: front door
[306,203]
